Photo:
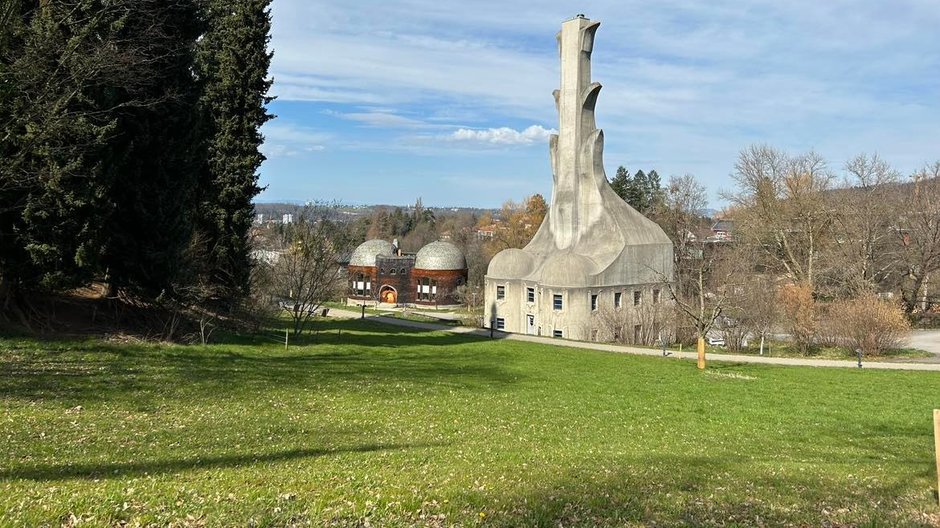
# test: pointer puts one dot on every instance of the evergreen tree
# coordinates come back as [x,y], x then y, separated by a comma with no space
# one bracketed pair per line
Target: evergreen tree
[657,194]
[156,153]
[62,64]
[233,61]
[639,191]
[621,182]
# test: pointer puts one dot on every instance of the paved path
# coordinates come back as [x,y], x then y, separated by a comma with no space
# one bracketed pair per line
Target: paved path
[928,340]
[621,349]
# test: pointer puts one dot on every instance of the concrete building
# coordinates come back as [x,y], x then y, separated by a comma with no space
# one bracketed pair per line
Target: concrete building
[379,273]
[593,253]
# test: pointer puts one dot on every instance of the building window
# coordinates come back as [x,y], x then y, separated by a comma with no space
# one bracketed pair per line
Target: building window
[557,333]
[391,271]
[618,297]
[500,293]
[401,271]
[594,303]
[362,286]
[500,323]
[530,295]
[637,295]
[655,296]
[556,302]
[427,289]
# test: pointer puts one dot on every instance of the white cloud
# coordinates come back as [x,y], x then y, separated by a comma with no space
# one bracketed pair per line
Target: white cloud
[284,140]
[502,135]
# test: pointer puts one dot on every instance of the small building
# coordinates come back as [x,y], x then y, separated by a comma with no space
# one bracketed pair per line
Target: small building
[723,228]
[379,273]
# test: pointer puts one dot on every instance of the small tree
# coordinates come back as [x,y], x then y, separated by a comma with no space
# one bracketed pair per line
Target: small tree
[307,273]
[869,324]
[799,314]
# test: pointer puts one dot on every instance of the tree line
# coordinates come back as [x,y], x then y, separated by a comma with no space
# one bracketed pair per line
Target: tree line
[129,146]
[832,256]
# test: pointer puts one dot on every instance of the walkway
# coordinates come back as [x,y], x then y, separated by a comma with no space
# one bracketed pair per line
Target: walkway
[622,349]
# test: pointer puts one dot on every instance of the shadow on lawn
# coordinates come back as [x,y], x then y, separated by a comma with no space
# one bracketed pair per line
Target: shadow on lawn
[340,352]
[158,467]
[705,491]
[370,332]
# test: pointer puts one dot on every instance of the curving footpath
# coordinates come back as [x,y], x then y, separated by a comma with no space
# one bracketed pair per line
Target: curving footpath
[624,349]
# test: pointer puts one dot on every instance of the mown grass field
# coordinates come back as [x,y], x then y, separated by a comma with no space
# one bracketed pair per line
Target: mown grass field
[386,426]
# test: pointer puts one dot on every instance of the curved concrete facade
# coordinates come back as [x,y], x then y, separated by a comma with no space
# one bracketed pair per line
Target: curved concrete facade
[592,245]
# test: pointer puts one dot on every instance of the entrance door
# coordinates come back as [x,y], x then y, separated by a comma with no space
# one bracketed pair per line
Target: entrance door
[388,295]
[530,324]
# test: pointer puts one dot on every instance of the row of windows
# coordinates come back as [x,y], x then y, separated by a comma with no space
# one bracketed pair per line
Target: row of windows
[501,325]
[557,303]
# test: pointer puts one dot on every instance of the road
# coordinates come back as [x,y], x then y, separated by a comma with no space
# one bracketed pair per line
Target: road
[928,340]
[622,349]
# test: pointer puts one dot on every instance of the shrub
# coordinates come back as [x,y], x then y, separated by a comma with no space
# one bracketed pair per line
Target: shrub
[870,324]
[799,314]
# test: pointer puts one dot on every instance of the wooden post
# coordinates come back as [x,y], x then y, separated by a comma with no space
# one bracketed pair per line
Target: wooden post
[936,441]
[285,338]
[701,352]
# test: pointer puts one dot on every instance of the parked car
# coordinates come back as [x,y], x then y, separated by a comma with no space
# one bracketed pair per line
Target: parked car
[716,341]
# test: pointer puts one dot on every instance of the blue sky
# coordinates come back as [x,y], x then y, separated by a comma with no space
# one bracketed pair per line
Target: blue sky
[383,102]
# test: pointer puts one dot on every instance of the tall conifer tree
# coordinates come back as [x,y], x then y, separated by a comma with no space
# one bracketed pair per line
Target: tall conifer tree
[233,61]
[156,152]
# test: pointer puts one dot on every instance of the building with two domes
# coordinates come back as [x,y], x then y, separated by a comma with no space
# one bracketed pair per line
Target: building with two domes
[380,273]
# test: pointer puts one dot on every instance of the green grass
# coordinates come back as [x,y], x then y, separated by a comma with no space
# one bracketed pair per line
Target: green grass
[387,426]
[787,350]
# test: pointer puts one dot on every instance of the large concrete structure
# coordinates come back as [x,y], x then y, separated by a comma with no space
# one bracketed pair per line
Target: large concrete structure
[593,253]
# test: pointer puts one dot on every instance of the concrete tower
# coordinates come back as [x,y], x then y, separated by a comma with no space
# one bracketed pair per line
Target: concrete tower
[593,252]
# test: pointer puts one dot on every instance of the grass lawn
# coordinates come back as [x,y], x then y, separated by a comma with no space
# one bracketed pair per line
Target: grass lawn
[390,426]
[787,350]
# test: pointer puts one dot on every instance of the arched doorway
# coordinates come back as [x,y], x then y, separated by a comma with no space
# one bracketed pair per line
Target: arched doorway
[388,295]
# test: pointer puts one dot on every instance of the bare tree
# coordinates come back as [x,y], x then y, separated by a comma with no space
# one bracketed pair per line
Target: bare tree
[700,290]
[799,315]
[307,273]
[919,231]
[865,208]
[783,208]
[750,311]
[646,324]
[697,293]
[681,213]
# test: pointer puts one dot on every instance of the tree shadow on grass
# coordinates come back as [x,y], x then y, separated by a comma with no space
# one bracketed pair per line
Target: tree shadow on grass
[119,470]
[84,371]
[370,332]
[701,491]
